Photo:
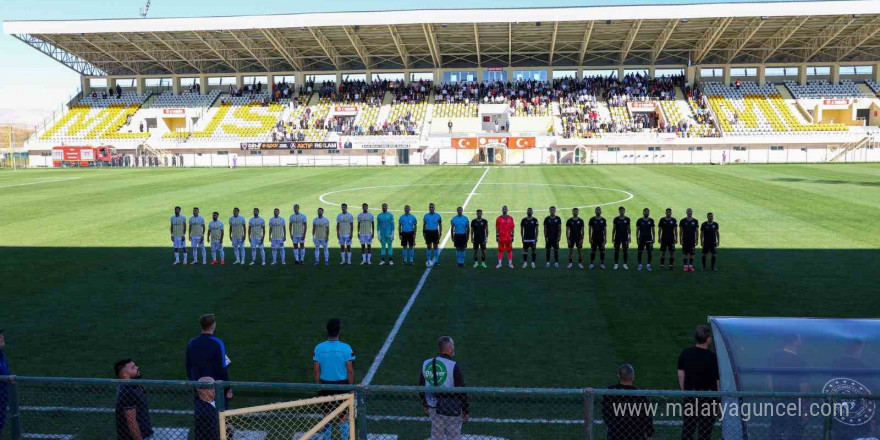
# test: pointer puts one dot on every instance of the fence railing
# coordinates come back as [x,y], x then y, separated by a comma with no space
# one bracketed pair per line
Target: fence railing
[68,409]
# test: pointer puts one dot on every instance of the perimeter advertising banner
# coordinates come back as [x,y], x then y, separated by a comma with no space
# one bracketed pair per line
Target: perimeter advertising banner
[289,145]
[513,143]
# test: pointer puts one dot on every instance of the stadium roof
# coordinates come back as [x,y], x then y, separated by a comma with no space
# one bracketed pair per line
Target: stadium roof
[638,35]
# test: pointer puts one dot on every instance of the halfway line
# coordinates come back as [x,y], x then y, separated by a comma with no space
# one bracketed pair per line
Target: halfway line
[380,356]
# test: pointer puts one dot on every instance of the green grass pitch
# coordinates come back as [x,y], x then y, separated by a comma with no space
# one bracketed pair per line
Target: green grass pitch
[86,274]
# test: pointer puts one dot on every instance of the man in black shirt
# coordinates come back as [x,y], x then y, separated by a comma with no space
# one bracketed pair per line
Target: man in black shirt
[668,237]
[627,417]
[528,233]
[552,234]
[132,408]
[645,236]
[598,234]
[574,232]
[479,237]
[206,424]
[789,377]
[689,233]
[710,239]
[698,371]
[621,231]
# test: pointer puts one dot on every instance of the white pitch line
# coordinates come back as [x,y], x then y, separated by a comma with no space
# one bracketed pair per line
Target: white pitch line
[380,356]
[37,183]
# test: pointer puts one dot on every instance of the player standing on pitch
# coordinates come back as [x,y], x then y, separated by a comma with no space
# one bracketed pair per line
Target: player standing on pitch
[668,238]
[621,232]
[277,235]
[645,236]
[320,236]
[385,224]
[504,226]
[710,239]
[460,232]
[366,231]
[598,235]
[690,231]
[432,230]
[529,235]
[552,234]
[479,238]
[178,235]
[215,235]
[236,235]
[197,237]
[344,223]
[257,235]
[574,233]
[298,228]
[408,224]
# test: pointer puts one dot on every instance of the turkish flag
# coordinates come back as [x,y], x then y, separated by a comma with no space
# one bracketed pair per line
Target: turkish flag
[521,143]
[464,143]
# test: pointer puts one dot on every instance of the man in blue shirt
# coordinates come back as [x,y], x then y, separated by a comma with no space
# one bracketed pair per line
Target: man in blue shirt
[4,387]
[334,365]
[460,234]
[432,231]
[206,354]
[408,225]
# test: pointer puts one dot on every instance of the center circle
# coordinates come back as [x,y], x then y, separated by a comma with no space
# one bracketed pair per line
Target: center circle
[626,195]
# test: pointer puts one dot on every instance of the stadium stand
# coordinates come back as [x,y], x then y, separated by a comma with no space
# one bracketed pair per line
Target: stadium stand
[874,87]
[185,99]
[824,89]
[245,118]
[97,117]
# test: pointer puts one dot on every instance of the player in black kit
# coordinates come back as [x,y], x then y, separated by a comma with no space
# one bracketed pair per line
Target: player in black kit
[552,233]
[710,239]
[528,233]
[645,236]
[574,232]
[668,237]
[689,233]
[621,231]
[479,237]
[598,235]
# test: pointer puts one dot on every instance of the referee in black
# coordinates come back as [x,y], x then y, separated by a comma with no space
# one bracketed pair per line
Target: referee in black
[479,238]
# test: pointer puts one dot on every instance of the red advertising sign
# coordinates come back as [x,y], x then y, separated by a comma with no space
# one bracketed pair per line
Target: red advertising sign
[835,102]
[464,143]
[345,109]
[513,143]
[521,143]
[174,111]
[641,105]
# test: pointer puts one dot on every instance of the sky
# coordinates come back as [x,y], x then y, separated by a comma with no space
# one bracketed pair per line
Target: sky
[33,85]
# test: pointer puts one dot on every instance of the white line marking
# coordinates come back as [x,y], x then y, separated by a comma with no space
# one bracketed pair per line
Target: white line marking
[380,356]
[39,182]
[629,195]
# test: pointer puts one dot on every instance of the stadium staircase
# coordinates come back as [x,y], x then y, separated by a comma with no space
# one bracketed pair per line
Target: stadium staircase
[557,119]
[841,152]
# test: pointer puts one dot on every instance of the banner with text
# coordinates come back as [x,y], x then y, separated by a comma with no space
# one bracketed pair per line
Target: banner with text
[513,143]
[289,145]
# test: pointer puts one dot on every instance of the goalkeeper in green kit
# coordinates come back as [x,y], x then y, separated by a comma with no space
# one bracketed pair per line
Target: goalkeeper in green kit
[385,226]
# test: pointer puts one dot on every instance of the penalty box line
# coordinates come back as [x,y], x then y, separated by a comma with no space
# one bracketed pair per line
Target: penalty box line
[380,356]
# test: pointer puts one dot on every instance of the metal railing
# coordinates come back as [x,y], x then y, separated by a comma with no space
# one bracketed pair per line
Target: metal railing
[68,408]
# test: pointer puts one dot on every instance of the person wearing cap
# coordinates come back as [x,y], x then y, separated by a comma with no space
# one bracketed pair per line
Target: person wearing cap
[446,409]
[4,371]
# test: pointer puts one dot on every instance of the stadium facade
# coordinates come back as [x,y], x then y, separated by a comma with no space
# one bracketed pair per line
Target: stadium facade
[735,82]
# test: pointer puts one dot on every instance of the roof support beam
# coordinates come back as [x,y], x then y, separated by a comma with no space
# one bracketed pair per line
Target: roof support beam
[359,47]
[61,55]
[327,46]
[433,47]
[218,49]
[552,42]
[477,43]
[180,50]
[857,38]
[283,47]
[743,38]
[660,43]
[778,39]
[401,48]
[709,38]
[146,48]
[630,38]
[125,63]
[586,42]
[509,44]
[259,54]
[827,35]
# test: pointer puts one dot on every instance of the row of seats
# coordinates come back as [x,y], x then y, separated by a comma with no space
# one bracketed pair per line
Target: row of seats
[84,122]
[185,99]
[675,116]
[824,89]
[126,99]
[240,117]
[874,86]
[456,110]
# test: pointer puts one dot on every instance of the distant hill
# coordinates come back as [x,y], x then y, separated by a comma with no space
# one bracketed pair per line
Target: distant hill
[19,135]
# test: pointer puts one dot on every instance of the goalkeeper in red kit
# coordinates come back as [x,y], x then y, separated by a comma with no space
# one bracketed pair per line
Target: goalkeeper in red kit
[504,236]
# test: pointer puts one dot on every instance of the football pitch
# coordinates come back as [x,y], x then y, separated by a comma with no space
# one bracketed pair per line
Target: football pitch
[85,268]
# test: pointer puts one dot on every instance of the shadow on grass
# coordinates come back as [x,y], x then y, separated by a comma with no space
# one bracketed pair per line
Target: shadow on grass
[824,181]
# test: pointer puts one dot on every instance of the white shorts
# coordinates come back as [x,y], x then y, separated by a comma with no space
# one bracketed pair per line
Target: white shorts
[345,240]
[196,242]
[216,245]
[256,243]
[237,242]
[298,240]
[321,244]
[277,243]
[366,238]
[179,242]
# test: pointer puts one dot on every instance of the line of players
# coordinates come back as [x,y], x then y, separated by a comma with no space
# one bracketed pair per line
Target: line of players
[688,231]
